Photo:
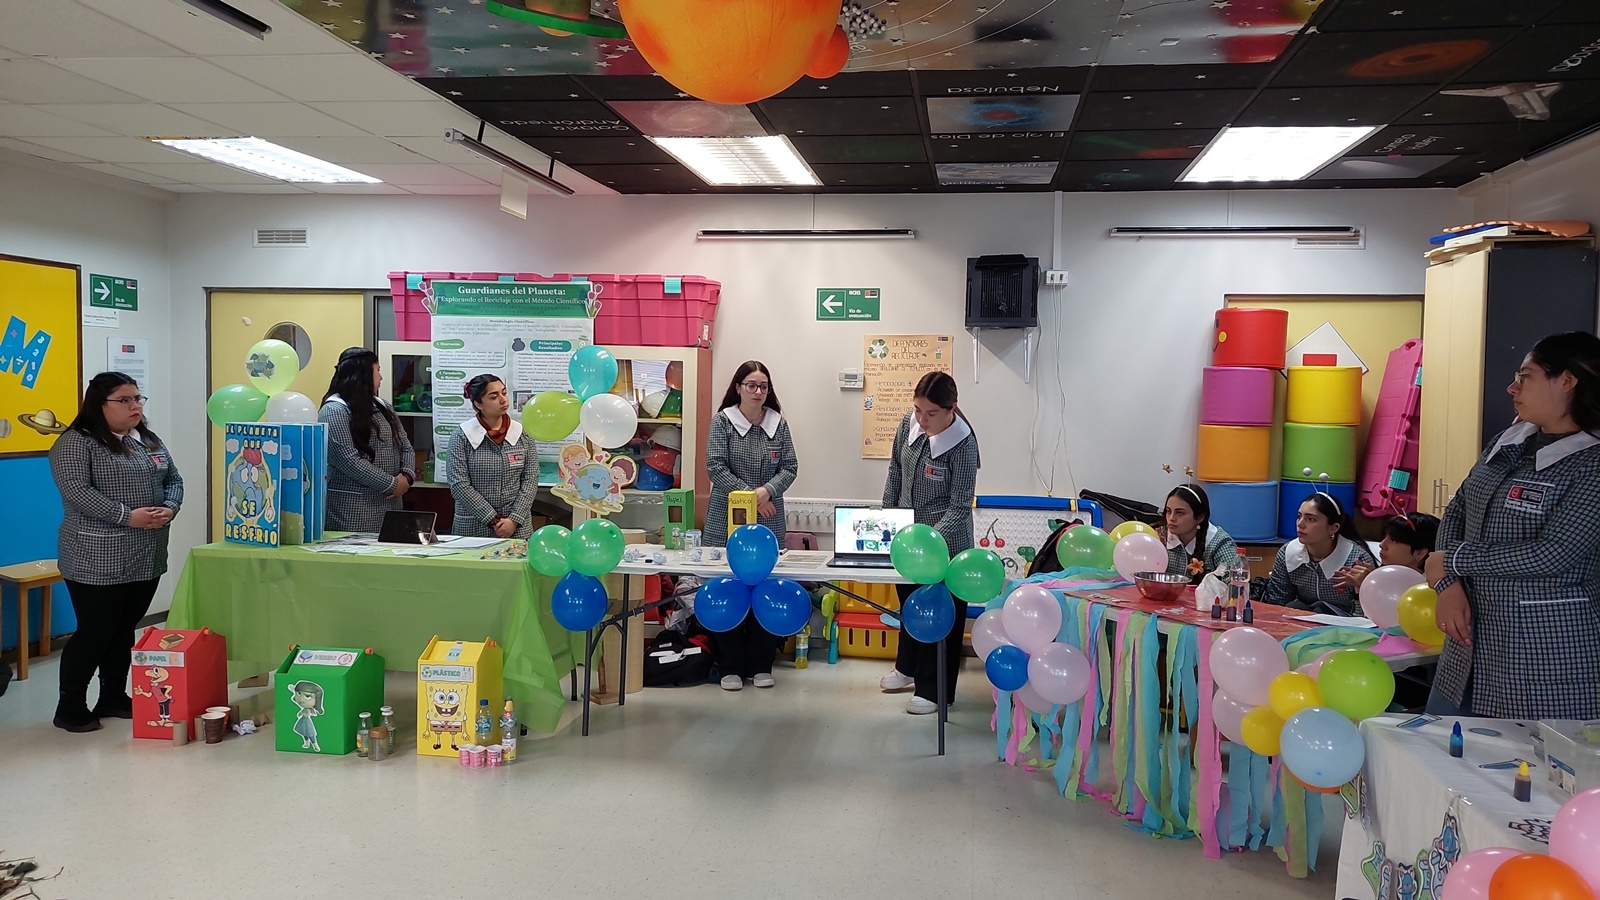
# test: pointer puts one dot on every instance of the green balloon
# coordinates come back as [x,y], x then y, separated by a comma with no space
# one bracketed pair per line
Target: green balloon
[272,366]
[919,554]
[1357,683]
[547,551]
[595,547]
[1086,547]
[236,403]
[551,416]
[975,575]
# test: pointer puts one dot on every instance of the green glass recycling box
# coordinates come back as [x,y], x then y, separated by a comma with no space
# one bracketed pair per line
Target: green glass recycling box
[321,693]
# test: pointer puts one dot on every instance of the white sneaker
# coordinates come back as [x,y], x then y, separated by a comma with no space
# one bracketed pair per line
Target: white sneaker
[920,707]
[763,680]
[894,682]
[733,683]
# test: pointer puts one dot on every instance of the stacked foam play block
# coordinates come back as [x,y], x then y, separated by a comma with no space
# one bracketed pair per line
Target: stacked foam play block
[1322,411]
[1236,419]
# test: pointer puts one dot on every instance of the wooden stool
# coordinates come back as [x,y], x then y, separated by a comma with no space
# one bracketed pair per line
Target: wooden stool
[26,576]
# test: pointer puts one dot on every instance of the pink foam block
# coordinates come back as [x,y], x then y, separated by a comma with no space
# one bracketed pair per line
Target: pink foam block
[1236,395]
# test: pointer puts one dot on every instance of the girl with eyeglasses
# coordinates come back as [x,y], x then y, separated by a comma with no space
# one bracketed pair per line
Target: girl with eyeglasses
[748,449]
[370,460]
[120,490]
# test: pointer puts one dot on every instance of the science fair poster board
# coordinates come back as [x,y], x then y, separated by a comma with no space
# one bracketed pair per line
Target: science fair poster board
[892,364]
[522,332]
[41,353]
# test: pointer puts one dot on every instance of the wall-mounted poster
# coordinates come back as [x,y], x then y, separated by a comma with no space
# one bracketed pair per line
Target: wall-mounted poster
[892,365]
[41,353]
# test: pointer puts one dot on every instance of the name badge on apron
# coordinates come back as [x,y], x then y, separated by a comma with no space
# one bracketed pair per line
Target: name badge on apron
[933,472]
[1528,496]
[774,455]
[516,458]
[159,460]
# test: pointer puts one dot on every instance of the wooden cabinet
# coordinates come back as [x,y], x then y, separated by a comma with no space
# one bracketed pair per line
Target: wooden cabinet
[1485,307]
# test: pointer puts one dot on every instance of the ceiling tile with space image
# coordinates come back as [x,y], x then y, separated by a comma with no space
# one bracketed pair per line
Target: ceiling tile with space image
[1544,53]
[852,84]
[1160,110]
[1177,78]
[873,175]
[578,151]
[997,173]
[671,178]
[1380,167]
[1388,15]
[883,148]
[505,88]
[1004,113]
[688,118]
[1426,139]
[629,87]
[1184,144]
[1528,101]
[1128,175]
[1573,12]
[851,115]
[1307,107]
[1370,57]
[1046,145]
[994,82]
[553,119]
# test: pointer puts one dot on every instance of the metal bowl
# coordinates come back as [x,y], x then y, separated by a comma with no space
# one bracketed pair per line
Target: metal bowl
[1160,586]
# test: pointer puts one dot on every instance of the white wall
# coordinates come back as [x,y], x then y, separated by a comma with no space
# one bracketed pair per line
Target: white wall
[1131,331]
[1564,184]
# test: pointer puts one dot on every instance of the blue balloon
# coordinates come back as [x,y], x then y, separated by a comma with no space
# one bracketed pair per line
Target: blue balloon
[752,553]
[782,606]
[592,370]
[1322,747]
[578,602]
[722,603]
[929,613]
[1007,667]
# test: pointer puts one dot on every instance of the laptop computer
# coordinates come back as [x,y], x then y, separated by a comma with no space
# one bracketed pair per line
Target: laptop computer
[861,535]
[405,526]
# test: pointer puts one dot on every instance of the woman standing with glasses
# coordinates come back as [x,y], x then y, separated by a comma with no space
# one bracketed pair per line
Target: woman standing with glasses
[119,491]
[748,449]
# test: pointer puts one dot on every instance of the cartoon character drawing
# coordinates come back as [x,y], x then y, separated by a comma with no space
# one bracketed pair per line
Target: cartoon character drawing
[307,698]
[594,483]
[249,491]
[446,715]
[161,692]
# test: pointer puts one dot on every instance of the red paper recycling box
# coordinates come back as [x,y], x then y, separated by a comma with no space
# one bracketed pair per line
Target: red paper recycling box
[176,675]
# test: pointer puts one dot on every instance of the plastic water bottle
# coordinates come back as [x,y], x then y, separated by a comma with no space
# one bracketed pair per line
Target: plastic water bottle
[1239,582]
[508,733]
[485,724]
[802,648]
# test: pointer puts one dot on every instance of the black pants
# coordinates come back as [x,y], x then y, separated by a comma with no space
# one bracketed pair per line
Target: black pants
[747,650]
[107,616]
[921,661]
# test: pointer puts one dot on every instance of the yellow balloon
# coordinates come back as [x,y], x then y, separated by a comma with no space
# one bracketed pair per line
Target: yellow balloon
[1291,692]
[1131,527]
[1260,731]
[1418,608]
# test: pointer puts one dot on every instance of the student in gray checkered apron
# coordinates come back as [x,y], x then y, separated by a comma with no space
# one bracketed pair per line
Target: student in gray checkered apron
[1518,564]
[120,490]
[748,449]
[493,467]
[1195,546]
[933,470]
[370,460]
[1314,571]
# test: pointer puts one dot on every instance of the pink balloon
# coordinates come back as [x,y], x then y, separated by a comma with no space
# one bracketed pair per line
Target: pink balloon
[988,633]
[1244,661]
[1031,616]
[1381,590]
[1031,699]
[1575,835]
[1315,666]
[1469,877]
[1228,715]
[1139,552]
[1059,673]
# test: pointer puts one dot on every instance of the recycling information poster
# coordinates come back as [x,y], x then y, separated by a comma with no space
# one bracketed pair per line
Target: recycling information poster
[522,332]
[892,365]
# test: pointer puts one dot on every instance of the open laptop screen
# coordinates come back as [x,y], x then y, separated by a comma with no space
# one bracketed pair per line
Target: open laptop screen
[866,530]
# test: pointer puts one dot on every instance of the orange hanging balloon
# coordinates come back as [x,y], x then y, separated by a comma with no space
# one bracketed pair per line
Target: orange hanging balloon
[835,53]
[729,51]
[1534,876]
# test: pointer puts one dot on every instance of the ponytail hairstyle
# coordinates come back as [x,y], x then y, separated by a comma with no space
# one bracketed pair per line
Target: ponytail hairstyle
[1195,496]
[478,386]
[1333,511]
[940,389]
[352,382]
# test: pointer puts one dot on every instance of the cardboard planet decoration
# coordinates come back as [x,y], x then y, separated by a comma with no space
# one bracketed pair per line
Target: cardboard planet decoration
[730,51]
[43,421]
[835,53]
[560,18]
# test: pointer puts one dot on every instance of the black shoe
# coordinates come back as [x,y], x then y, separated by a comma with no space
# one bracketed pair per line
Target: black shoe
[75,718]
[114,706]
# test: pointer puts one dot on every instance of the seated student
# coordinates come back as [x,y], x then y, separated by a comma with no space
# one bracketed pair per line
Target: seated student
[1195,547]
[1308,573]
[1407,540]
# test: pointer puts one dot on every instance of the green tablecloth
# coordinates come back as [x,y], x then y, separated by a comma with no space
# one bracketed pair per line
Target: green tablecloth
[262,600]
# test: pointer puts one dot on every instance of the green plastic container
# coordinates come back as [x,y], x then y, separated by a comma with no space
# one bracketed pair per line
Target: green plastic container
[1329,449]
[320,694]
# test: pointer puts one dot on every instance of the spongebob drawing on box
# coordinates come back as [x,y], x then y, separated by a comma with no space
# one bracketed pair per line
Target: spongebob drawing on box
[447,715]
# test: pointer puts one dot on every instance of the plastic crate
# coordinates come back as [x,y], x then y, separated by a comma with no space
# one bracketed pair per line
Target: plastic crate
[884,595]
[865,637]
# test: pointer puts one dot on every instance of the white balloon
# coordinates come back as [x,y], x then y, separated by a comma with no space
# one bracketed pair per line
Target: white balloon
[290,407]
[608,420]
[1032,699]
[1059,673]
[1227,714]
[1139,552]
[1031,616]
[1380,593]
[989,632]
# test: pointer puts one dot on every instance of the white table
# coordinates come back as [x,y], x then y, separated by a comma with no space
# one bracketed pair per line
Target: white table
[1422,809]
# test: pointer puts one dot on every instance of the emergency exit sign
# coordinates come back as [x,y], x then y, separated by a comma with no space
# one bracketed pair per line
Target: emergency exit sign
[847,304]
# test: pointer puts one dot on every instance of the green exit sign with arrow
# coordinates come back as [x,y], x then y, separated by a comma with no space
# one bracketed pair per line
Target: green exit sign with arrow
[108,292]
[847,304]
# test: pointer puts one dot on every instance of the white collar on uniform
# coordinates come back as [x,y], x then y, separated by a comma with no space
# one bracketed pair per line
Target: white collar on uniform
[1296,555]
[335,398]
[1552,453]
[769,421]
[943,442]
[475,431]
[1172,543]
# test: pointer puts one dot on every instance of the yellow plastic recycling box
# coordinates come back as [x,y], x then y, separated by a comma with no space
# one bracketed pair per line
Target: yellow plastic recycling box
[452,676]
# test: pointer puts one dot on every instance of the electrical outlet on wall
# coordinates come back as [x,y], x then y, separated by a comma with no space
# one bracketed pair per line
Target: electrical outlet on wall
[1055,277]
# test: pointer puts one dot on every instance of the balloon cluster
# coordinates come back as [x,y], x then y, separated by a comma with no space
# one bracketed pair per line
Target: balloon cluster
[1139,549]
[781,606]
[1020,653]
[921,556]
[578,557]
[1306,716]
[1570,872]
[606,419]
[270,367]
[1400,595]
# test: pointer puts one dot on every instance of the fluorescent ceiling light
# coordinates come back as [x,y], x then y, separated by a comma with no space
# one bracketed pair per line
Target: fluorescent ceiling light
[1272,154]
[741,160]
[806,234]
[267,159]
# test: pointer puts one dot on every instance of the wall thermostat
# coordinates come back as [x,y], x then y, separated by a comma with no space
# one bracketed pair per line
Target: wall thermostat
[850,380]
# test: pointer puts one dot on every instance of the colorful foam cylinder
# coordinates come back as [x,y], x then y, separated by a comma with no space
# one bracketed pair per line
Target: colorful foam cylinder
[1250,337]
[1293,493]
[1324,395]
[1326,450]
[1246,510]
[1234,453]
[1236,395]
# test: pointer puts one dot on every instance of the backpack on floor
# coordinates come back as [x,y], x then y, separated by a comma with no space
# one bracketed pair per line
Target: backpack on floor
[1129,510]
[675,659]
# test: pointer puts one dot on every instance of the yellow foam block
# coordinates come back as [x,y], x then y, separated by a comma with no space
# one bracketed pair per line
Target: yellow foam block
[1234,453]
[1324,395]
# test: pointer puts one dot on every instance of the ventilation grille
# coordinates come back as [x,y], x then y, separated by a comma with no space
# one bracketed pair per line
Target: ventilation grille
[1356,239]
[281,237]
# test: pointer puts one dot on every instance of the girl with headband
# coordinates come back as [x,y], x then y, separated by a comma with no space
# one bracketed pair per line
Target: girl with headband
[1312,571]
[1194,545]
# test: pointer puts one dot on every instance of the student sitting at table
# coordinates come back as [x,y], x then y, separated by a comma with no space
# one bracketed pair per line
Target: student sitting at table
[1407,540]
[1312,571]
[1195,547]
